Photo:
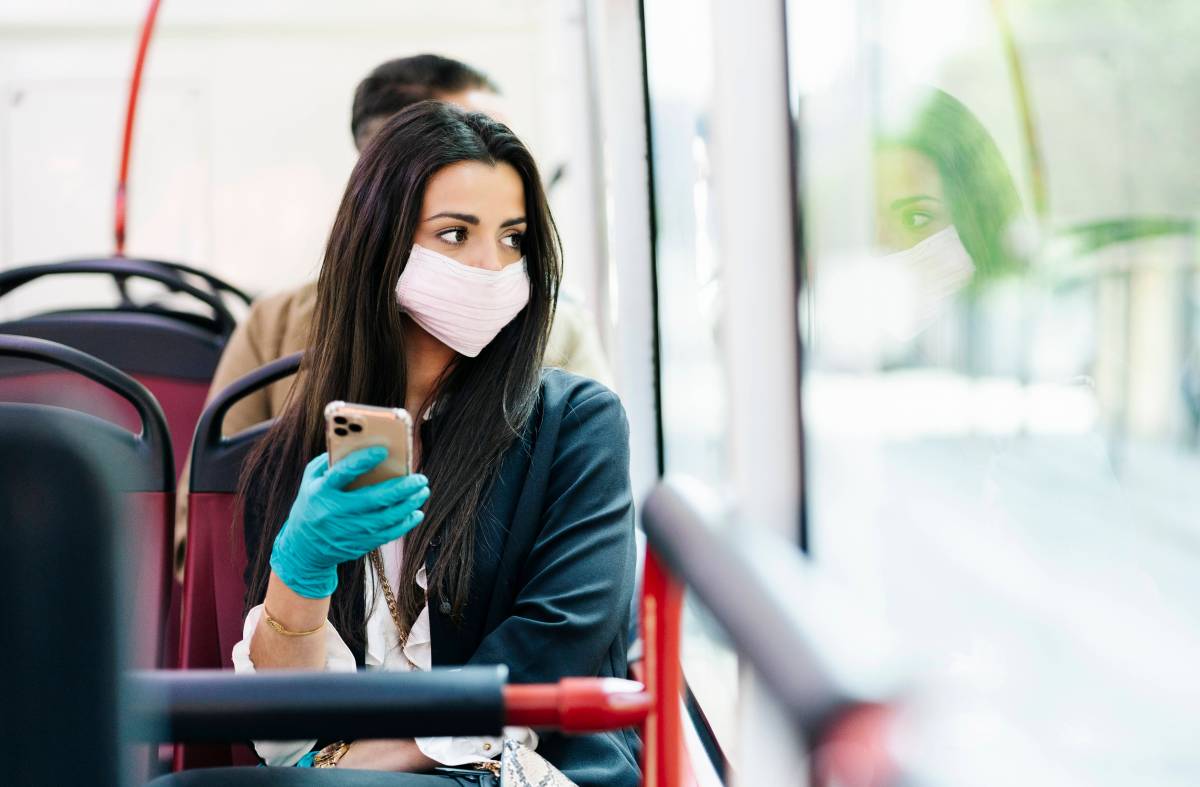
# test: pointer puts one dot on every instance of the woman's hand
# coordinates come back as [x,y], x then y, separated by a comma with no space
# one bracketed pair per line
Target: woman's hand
[328,525]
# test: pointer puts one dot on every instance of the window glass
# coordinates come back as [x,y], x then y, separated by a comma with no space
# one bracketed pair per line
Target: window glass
[689,284]
[692,382]
[1002,382]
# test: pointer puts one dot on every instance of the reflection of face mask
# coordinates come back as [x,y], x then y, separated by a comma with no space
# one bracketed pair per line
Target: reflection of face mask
[461,306]
[870,308]
[930,273]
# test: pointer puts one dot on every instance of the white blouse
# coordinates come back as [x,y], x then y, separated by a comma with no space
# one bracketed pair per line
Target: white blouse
[383,652]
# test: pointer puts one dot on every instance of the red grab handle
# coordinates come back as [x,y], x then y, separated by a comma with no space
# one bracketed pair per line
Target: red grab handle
[577,704]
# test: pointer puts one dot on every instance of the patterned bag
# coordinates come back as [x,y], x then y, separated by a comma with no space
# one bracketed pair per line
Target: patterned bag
[521,766]
[518,766]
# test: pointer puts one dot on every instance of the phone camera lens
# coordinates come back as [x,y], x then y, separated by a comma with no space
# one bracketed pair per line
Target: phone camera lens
[339,420]
[340,432]
[355,428]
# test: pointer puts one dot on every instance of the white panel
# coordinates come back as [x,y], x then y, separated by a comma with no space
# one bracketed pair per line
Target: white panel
[566,111]
[772,751]
[751,166]
[61,153]
[751,174]
[626,194]
[62,144]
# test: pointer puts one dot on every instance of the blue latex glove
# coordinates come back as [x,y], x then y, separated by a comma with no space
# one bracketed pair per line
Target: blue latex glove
[328,525]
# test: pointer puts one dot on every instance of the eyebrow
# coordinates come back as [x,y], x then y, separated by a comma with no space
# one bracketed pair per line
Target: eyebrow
[472,219]
[900,203]
[467,217]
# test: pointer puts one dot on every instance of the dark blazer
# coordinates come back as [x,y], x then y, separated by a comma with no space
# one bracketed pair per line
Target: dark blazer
[553,573]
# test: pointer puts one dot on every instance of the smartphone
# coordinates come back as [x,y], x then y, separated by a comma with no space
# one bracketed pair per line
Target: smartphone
[349,427]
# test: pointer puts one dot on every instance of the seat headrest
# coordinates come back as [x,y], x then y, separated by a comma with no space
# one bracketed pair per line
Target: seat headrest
[129,461]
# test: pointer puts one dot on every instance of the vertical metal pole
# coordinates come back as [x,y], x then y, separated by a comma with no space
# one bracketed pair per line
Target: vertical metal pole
[663,753]
[135,87]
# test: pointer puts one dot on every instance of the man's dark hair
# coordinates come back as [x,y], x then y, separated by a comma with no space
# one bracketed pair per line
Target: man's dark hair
[404,81]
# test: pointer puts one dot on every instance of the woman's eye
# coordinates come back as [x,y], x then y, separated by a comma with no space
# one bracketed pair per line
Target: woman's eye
[917,219]
[455,236]
[513,241]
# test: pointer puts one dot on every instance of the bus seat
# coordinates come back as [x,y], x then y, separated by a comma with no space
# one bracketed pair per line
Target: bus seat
[61,678]
[173,354]
[142,463]
[214,581]
[217,286]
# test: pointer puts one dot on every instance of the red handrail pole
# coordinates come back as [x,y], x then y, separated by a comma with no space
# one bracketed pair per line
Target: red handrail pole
[662,738]
[577,705]
[531,705]
[135,87]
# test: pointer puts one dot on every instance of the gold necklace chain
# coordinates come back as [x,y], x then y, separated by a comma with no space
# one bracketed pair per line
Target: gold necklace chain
[388,596]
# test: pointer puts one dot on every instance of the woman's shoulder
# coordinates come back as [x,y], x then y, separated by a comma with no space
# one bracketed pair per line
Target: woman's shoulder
[581,405]
[563,390]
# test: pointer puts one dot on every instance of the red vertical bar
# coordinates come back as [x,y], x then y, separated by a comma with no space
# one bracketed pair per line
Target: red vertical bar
[662,607]
[135,87]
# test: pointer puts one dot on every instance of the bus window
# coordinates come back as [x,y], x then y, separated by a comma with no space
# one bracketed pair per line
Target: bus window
[1002,376]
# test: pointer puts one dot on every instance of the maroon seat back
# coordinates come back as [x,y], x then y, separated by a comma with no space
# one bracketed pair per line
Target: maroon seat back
[142,460]
[172,353]
[35,383]
[214,587]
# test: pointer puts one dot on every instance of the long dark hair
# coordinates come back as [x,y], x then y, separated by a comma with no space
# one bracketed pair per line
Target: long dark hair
[357,354]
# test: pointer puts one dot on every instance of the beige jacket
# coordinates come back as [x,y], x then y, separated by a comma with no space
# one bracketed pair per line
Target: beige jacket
[278,325]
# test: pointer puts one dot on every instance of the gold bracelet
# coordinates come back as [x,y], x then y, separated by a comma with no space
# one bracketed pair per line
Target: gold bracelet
[279,629]
[330,755]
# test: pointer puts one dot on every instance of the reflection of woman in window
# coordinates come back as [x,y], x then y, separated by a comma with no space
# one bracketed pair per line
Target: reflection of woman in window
[945,208]
[936,167]
[945,213]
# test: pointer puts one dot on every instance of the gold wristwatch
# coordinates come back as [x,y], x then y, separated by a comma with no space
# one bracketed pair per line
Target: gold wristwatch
[330,755]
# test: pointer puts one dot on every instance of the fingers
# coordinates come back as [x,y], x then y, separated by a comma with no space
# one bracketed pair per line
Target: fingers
[402,526]
[383,527]
[383,496]
[396,490]
[355,464]
[411,503]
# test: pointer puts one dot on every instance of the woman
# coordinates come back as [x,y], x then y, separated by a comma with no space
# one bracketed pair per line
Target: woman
[514,542]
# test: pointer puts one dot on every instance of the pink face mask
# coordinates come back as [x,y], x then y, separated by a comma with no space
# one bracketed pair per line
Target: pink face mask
[461,306]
